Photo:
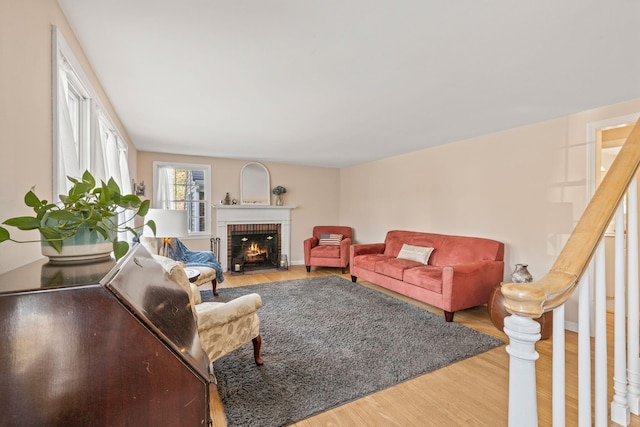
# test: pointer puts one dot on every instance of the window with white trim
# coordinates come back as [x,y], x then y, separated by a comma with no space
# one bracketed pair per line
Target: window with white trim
[185,187]
[84,136]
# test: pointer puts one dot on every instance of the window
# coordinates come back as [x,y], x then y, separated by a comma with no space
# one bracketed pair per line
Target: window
[84,136]
[185,187]
[71,136]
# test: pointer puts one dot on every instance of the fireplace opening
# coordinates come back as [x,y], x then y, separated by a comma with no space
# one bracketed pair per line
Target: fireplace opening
[253,247]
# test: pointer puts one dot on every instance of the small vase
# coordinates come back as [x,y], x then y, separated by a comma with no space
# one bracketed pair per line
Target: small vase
[521,274]
[279,200]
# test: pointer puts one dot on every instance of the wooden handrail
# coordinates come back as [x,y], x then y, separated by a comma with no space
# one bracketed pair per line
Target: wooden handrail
[533,299]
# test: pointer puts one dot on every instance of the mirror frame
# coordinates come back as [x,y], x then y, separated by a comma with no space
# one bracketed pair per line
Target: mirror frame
[255,184]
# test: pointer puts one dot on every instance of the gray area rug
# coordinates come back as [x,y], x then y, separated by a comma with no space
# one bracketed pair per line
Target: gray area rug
[327,341]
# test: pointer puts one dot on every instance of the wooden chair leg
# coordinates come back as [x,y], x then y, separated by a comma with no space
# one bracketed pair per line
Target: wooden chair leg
[448,316]
[214,287]
[344,270]
[257,343]
[308,269]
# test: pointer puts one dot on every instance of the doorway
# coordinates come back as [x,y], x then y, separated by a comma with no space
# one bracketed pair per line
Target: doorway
[609,141]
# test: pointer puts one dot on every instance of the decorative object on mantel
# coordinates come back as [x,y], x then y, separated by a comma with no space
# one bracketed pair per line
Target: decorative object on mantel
[279,191]
[521,274]
[84,224]
[227,200]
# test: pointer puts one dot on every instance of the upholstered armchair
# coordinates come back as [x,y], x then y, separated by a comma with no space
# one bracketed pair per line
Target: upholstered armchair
[206,270]
[328,247]
[222,327]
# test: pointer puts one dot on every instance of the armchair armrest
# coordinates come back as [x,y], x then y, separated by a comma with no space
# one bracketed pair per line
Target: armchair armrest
[212,314]
[309,243]
[313,241]
[345,244]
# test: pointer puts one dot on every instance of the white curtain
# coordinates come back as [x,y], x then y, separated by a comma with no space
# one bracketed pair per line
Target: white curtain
[99,168]
[125,182]
[111,161]
[124,167]
[164,193]
[68,156]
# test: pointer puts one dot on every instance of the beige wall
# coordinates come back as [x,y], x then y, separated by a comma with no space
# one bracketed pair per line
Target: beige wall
[509,186]
[25,111]
[314,192]
[504,186]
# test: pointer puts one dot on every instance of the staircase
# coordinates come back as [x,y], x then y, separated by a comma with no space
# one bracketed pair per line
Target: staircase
[605,397]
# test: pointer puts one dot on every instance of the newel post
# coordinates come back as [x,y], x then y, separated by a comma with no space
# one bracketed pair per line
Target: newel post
[523,333]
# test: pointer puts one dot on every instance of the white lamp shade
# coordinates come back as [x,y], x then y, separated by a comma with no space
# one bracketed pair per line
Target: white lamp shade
[169,223]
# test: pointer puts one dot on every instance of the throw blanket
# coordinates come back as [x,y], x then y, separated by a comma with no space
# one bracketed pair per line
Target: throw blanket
[179,252]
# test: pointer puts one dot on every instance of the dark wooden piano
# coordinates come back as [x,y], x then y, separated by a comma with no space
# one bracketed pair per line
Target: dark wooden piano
[99,344]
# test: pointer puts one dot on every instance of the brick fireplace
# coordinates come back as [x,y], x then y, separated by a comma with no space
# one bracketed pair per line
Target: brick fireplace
[257,223]
[253,247]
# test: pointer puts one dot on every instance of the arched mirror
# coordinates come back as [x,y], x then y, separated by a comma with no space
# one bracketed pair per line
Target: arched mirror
[255,184]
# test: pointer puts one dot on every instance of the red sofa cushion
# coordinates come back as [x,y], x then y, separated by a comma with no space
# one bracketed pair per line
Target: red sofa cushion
[395,267]
[369,261]
[428,277]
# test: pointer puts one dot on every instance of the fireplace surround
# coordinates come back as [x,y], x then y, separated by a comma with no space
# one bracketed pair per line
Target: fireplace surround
[251,215]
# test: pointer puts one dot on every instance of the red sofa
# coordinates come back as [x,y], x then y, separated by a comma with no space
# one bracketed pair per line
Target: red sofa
[459,274]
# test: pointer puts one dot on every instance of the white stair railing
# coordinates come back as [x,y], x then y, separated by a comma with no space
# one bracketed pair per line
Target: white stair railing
[523,333]
[529,301]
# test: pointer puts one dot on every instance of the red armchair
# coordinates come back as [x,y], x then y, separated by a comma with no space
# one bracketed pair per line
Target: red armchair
[328,255]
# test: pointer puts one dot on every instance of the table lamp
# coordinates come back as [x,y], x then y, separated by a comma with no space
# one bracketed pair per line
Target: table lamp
[169,224]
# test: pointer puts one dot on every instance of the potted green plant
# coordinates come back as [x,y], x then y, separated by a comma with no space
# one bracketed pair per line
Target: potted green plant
[87,214]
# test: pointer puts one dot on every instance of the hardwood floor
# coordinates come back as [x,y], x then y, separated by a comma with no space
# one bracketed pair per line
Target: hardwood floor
[473,392]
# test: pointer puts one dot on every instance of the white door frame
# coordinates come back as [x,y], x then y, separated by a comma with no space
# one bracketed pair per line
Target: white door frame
[592,155]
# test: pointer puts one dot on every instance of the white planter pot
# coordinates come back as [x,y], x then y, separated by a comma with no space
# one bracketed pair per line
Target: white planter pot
[83,247]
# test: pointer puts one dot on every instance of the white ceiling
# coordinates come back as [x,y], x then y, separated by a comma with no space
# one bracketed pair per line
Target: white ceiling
[341,82]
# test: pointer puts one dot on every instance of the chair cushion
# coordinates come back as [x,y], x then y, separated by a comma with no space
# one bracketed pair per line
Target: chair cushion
[325,252]
[207,274]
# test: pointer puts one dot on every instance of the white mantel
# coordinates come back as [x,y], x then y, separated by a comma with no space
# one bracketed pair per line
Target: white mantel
[252,214]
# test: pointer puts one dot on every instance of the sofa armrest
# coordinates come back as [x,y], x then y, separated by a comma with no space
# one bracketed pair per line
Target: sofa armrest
[212,314]
[470,284]
[367,248]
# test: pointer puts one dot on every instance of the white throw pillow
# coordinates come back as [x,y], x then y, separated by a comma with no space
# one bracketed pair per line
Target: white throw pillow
[415,253]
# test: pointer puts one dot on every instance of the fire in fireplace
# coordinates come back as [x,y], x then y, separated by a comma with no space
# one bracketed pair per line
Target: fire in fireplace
[253,246]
